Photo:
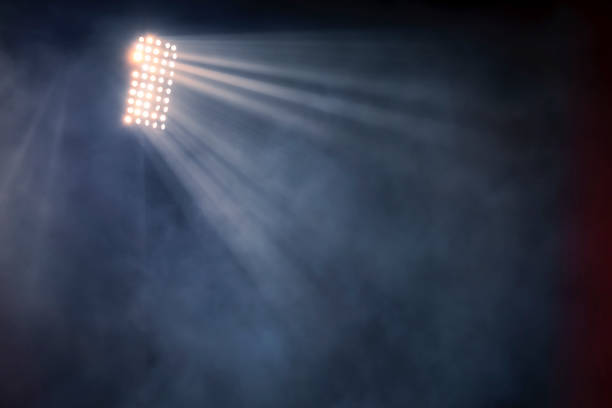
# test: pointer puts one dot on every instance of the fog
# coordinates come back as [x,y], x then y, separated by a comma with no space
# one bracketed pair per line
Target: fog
[332,219]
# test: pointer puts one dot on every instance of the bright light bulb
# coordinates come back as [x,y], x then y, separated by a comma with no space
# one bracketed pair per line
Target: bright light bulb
[163,126]
[127,119]
[152,55]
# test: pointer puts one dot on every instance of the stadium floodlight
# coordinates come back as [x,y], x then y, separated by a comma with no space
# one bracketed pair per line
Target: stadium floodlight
[150,82]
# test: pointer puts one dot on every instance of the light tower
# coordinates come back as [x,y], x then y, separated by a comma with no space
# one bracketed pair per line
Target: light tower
[151,80]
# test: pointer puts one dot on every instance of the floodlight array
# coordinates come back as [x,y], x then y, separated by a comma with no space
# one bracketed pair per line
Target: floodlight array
[150,83]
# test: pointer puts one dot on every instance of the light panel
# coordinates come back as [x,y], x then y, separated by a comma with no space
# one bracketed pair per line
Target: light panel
[152,61]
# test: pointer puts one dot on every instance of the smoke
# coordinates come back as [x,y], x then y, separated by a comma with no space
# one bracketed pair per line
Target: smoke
[379,228]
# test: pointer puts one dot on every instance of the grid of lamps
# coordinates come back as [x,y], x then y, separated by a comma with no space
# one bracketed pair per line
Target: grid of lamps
[151,83]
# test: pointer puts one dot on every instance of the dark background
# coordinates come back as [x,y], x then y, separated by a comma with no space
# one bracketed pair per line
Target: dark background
[451,286]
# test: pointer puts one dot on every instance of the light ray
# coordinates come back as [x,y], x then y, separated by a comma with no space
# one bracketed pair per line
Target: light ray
[26,142]
[328,133]
[241,180]
[47,192]
[270,268]
[317,76]
[321,103]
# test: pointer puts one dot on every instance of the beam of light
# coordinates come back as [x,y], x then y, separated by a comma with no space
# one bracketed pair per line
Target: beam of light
[326,131]
[333,60]
[364,80]
[318,130]
[230,167]
[225,104]
[322,103]
[313,199]
[229,148]
[245,102]
[232,142]
[26,142]
[401,94]
[246,238]
[39,254]
[319,40]
[316,76]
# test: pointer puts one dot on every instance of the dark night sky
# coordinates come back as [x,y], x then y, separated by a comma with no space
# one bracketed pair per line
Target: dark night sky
[433,281]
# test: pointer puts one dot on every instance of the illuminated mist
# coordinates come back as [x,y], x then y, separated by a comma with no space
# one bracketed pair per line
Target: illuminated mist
[330,219]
